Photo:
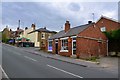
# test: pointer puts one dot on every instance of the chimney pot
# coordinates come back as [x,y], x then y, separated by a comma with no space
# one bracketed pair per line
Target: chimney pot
[89,22]
[26,28]
[18,28]
[44,27]
[33,25]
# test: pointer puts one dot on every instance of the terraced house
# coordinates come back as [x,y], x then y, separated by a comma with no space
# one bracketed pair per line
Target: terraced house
[83,41]
[37,36]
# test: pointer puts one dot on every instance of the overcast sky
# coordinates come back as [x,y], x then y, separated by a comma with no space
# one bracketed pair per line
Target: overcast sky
[53,15]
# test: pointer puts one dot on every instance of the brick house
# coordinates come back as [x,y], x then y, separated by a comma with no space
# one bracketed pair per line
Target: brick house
[83,41]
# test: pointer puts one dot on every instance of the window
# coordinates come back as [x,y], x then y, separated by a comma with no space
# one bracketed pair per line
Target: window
[43,35]
[64,44]
[50,46]
[103,29]
[49,35]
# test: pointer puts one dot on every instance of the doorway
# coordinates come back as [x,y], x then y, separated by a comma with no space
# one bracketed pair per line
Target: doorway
[56,48]
[74,46]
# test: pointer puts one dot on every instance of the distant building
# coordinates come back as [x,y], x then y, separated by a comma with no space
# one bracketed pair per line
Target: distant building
[6,33]
[37,36]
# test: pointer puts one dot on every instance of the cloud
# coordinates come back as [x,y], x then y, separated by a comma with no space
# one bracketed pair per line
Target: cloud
[60,0]
[54,14]
[74,7]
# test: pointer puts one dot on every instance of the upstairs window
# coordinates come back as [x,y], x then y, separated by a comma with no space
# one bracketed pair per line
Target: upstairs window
[49,35]
[103,29]
[43,35]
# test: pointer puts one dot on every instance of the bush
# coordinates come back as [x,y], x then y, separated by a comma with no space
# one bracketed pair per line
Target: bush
[94,59]
[113,35]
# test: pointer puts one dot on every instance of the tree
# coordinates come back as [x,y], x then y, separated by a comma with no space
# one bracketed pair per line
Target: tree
[4,38]
[113,35]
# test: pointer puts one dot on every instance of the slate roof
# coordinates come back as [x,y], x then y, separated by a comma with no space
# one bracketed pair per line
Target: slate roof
[42,30]
[72,32]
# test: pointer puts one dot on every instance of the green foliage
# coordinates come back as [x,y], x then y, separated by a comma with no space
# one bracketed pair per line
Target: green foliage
[113,35]
[94,59]
[4,38]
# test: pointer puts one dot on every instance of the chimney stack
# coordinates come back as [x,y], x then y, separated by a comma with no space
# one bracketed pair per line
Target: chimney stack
[67,26]
[18,28]
[26,28]
[44,27]
[33,25]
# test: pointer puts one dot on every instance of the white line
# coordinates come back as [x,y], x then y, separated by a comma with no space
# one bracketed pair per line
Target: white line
[64,71]
[30,58]
[17,53]
[4,72]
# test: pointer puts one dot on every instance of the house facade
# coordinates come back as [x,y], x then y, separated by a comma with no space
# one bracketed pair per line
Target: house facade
[83,41]
[6,33]
[37,36]
[40,36]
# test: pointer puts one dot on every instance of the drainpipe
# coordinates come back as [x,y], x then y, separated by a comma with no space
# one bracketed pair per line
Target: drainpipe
[107,48]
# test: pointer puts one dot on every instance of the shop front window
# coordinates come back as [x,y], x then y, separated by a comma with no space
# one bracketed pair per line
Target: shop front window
[50,46]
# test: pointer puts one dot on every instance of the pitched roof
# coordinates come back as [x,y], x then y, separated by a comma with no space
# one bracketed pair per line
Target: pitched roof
[108,19]
[72,32]
[42,30]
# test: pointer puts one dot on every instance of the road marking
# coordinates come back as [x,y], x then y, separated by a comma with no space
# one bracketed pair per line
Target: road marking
[14,52]
[65,71]
[4,73]
[30,58]
[17,53]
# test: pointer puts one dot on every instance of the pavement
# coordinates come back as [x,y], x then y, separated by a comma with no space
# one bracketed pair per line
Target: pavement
[109,64]
[26,63]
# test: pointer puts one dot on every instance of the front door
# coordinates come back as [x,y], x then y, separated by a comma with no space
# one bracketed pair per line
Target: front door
[74,46]
[56,48]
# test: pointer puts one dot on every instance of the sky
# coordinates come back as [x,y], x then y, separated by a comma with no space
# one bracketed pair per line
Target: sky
[53,15]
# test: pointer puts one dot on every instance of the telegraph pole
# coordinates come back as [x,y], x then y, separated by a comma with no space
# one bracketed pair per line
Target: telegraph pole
[19,23]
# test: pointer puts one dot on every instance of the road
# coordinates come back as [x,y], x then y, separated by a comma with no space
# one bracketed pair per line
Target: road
[18,63]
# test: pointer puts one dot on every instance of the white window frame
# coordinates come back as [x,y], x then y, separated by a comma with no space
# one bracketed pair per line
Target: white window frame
[66,38]
[43,35]
[72,44]
[73,36]
[103,29]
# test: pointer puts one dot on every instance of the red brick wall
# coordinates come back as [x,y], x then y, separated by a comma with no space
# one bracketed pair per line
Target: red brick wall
[59,46]
[89,47]
[94,32]
[109,24]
